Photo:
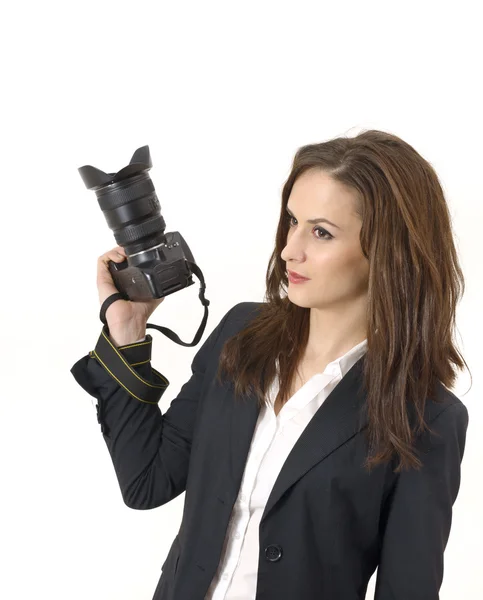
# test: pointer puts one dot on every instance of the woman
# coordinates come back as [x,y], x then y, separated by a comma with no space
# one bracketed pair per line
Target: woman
[317,438]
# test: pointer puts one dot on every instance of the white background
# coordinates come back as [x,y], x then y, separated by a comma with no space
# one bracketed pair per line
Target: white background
[223,93]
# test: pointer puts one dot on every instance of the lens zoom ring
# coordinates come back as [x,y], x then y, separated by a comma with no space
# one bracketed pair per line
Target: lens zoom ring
[118,196]
[133,233]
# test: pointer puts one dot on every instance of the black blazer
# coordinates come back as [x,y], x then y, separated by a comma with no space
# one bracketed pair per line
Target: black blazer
[327,524]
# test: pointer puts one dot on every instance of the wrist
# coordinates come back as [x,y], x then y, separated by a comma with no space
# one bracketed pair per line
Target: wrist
[127,334]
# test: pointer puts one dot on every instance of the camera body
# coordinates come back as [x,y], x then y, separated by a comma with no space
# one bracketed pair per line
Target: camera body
[155,272]
[158,263]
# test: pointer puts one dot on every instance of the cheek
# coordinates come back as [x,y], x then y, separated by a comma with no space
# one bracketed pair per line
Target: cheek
[357,269]
[331,259]
[348,267]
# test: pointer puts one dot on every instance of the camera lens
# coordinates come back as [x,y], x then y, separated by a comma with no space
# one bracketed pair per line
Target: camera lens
[129,203]
[132,210]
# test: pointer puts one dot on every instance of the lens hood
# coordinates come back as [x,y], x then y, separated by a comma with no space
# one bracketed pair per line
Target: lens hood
[95,179]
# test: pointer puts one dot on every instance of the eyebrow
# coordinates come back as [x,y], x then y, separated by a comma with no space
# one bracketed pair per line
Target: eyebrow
[314,221]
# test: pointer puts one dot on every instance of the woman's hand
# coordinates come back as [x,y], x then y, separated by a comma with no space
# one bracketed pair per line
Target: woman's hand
[121,314]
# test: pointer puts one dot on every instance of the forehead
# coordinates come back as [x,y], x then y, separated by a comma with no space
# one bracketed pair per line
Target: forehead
[315,194]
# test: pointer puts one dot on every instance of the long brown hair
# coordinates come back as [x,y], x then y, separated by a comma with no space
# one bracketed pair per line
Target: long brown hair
[415,283]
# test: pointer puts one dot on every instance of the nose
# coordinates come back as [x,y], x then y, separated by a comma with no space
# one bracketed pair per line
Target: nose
[294,249]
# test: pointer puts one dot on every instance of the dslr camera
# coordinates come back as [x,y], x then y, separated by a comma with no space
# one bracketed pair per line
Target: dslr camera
[158,263]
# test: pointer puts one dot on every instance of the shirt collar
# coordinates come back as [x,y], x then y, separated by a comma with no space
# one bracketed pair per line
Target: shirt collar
[340,366]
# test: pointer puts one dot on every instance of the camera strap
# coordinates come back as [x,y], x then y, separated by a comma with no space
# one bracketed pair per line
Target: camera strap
[119,368]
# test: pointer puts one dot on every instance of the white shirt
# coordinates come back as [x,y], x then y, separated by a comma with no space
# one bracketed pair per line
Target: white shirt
[273,439]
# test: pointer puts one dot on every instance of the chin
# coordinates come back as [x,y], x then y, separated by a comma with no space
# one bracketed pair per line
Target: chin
[301,301]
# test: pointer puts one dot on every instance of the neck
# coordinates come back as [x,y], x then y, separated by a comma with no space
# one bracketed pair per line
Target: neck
[334,331]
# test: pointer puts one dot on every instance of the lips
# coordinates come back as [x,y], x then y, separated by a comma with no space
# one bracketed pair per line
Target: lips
[295,275]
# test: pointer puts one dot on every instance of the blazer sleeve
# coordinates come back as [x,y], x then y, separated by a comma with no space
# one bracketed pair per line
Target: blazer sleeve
[417,521]
[150,451]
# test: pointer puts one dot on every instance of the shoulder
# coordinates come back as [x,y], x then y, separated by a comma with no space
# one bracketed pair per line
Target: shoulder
[236,319]
[446,412]
[233,321]
[243,312]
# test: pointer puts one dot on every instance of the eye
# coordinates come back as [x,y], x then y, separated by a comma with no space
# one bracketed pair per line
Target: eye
[324,234]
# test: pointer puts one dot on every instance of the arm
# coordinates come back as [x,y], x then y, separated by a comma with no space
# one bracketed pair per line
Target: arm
[150,451]
[417,518]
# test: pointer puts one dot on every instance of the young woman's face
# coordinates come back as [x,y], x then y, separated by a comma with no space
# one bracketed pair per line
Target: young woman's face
[330,255]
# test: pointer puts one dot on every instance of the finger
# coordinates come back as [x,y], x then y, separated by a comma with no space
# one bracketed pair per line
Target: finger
[105,283]
[103,273]
[111,255]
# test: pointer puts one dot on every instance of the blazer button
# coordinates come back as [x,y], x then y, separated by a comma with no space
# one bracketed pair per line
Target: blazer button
[273,552]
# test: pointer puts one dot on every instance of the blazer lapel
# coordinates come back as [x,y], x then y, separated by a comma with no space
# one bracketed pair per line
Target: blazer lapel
[338,418]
